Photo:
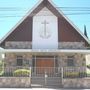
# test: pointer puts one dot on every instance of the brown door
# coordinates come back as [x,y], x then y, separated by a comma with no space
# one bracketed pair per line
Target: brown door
[45,65]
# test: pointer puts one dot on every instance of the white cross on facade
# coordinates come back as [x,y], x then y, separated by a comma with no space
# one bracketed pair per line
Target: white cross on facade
[45,28]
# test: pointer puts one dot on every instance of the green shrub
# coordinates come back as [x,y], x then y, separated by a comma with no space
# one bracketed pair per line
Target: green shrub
[1,63]
[88,73]
[1,73]
[1,67]
[71,74]
[88,66]
[22,72]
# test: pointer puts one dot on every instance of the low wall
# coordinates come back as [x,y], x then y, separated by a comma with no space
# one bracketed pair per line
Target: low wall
[76,83]
[15,82]
[25,82]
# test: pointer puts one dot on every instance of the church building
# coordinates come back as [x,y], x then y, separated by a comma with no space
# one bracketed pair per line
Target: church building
[45,39]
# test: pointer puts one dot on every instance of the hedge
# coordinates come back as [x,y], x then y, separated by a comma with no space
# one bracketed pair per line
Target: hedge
[22,72]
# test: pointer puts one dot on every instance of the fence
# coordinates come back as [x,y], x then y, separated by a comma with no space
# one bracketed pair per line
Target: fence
[15,71]
[64,72]
[50,71]
[74,72]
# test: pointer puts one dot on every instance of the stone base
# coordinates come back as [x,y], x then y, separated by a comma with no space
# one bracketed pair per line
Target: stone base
[25,82]
[77,83]
[15,82]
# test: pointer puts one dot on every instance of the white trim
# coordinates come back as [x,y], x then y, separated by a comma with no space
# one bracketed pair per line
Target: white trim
[45,51]
[40,1]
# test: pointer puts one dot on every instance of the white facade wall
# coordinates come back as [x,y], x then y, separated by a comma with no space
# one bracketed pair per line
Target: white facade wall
[42,40]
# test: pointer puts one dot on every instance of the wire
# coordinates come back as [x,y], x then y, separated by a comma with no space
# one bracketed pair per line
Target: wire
[78,11]
[64,8]
[2,16]
[75,7]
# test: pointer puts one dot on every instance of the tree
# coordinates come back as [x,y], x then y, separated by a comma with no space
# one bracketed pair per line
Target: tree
[85,31]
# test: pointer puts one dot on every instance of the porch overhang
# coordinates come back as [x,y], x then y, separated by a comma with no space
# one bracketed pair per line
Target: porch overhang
[45,51]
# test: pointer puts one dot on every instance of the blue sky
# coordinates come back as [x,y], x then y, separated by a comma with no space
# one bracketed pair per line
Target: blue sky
[11,11]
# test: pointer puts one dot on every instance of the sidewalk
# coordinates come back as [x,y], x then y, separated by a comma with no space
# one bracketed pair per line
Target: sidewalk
[37,89]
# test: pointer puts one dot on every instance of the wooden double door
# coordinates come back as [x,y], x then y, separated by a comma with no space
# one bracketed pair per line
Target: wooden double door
[45,65]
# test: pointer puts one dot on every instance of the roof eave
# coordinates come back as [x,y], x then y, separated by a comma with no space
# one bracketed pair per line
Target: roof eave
[78,51]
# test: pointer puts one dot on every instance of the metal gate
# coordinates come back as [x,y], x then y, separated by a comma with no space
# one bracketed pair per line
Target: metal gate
[46,77]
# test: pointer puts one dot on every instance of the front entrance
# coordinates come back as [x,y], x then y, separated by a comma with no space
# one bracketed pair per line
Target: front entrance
[45,65]
[46,72]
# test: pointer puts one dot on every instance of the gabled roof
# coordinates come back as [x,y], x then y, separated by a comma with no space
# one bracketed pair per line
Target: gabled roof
[58,12]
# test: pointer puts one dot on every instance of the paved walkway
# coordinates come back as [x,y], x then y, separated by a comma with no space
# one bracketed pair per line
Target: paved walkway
[38,89]
[55,89]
